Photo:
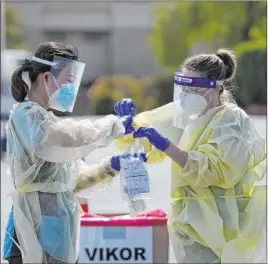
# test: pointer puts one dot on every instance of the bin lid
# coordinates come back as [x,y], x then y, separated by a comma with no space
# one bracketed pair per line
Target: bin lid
[153,218]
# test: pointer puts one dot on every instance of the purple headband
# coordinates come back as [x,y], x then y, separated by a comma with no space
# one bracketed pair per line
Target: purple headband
[180,79]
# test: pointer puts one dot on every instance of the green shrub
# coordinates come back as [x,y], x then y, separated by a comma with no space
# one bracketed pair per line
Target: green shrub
[163,87]
[104,106]
[252,78]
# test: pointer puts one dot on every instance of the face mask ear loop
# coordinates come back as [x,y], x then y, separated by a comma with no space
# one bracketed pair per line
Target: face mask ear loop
[55,81]
[48,91]
[206,109]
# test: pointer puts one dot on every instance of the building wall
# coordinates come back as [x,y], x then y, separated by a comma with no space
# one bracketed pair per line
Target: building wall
[111,36]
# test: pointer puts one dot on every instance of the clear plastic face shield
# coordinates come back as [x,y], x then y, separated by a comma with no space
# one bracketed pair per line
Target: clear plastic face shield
[192,97]
[62,87]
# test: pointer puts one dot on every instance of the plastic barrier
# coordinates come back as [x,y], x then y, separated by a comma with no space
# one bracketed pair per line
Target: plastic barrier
[122,239]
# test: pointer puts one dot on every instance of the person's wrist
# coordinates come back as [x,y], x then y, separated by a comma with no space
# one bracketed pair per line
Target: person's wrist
[177,155]
[166,144]
[109,166]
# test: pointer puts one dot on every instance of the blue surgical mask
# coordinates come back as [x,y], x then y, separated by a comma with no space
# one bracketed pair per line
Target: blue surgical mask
[63,98]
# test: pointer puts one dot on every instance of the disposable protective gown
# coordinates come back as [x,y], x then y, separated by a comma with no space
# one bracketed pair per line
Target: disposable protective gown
[217,214]
[44,154]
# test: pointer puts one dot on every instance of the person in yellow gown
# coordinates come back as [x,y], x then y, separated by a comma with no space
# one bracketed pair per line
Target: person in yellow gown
[217,214]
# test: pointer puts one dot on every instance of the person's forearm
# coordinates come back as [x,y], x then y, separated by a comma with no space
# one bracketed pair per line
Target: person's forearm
[177,155]
[94,174]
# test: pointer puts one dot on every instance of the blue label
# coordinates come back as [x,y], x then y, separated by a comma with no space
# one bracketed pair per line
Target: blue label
[114,232]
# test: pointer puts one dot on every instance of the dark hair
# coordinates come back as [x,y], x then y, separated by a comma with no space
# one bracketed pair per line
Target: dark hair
[45,51]
[219,66]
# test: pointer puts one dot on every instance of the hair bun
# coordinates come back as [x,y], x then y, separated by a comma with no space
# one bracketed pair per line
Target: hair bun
[229,60]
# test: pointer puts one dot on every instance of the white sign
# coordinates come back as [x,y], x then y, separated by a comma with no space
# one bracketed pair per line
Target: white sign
[116,244]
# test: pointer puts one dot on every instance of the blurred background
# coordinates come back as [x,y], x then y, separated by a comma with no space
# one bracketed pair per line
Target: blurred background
[132,49]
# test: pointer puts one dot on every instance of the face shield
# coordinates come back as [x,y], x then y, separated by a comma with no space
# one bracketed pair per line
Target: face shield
[192,96]
[62,87]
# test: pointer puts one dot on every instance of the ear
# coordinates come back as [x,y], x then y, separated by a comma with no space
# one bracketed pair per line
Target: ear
[46,76]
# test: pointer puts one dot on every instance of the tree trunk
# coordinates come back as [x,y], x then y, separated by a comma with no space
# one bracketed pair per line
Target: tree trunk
[250,8]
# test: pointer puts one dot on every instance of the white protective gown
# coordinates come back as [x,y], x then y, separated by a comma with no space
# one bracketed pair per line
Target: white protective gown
[44,154]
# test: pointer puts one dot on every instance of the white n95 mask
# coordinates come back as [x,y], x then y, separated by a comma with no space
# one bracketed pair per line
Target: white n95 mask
[193,104]
[191,97]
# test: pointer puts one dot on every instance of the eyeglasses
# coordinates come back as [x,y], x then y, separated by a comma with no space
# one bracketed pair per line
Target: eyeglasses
[189,89]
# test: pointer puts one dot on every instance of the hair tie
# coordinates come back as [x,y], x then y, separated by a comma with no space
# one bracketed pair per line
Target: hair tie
[27,66]
[219,56]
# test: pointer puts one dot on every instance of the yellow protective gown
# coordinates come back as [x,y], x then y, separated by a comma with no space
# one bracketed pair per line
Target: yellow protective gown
[216,213]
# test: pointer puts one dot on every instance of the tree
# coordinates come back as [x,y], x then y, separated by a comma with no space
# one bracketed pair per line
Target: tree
[180,26]
[14,36]
[252,78]
[163,88]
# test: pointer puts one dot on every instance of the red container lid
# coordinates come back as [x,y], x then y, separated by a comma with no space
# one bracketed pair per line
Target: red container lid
[156,217]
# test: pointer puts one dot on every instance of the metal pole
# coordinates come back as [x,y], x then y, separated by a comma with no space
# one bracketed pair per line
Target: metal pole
[3,26]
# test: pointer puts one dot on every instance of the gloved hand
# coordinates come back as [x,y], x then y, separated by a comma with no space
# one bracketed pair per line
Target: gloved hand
[155,138]
[127,122]
[115,161]
[124,107]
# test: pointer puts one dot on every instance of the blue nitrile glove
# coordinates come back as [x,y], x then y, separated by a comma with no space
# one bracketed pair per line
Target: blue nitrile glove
[124,107]
[127,122]
[155,138]
[115,161]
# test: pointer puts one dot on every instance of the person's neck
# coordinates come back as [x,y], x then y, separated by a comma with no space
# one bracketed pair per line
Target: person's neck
[211,105]
[34,97]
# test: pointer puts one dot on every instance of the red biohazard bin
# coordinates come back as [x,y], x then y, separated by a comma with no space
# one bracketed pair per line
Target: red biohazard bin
[124,239]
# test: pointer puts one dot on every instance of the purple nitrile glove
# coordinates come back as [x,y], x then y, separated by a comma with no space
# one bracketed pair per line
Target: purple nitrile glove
[155,138]
[125,107]
[115,161]
[127,122]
